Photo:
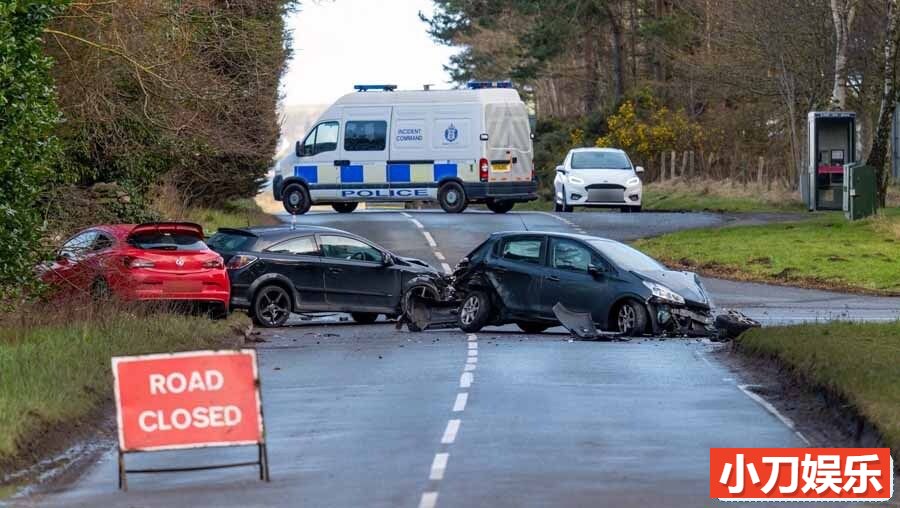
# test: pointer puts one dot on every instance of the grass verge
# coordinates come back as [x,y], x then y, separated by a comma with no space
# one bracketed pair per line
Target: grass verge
[719,196]
[58,374]
[235,214]
[825,252]
[854,361]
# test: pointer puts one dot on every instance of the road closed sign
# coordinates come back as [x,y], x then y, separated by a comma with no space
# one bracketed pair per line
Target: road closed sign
[187,400]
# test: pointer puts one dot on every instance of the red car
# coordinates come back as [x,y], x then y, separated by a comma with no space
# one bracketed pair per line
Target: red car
[154,261]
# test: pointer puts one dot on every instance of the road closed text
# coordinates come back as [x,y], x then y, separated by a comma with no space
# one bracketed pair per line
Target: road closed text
[199,417]
[187,399]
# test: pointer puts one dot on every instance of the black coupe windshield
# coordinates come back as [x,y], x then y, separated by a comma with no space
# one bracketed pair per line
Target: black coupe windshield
[625,257]
[600,160]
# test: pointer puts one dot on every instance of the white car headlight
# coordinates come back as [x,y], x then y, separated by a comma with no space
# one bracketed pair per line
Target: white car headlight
[664,293]
[633,181]
[576,180]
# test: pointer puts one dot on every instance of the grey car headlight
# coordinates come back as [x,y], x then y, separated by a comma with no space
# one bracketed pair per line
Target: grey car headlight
[663,293]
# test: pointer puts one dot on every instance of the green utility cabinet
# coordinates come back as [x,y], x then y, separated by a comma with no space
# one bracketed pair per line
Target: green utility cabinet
[860,191]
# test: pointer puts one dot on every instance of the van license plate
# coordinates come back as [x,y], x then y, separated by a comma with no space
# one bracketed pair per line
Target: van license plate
[500,167]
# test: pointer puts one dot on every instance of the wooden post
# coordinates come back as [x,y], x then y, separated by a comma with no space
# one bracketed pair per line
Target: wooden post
[684,161]
[673,164]
[692,167]
[662,167]
[761,162]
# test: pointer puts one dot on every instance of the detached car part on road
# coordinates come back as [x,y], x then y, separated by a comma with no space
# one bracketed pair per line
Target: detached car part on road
[538,280]
[276,271]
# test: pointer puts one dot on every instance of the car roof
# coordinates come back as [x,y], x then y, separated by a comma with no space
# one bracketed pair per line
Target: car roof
[504,234]
[597,149]
[267,236]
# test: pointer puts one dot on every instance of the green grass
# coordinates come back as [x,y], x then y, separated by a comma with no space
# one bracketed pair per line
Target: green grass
[826,251]
[57,375]
[235,214]
[664,199]
[858,362]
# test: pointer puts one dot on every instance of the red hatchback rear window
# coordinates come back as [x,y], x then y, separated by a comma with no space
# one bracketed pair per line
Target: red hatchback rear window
[166,241]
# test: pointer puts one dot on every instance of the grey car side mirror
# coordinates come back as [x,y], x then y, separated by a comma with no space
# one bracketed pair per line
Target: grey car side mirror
[561,169]
[639,169]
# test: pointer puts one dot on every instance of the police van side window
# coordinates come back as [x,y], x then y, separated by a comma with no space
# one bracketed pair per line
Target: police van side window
[322,139]
[365,135]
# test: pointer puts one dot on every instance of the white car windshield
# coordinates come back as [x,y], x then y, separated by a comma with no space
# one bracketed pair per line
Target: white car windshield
[600,160]
[625,257]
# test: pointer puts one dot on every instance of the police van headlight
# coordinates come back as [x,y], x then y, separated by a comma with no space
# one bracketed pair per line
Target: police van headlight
[633,181]
[576,180]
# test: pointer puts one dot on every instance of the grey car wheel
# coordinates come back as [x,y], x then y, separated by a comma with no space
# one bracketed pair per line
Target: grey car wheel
[631,318]
[474,312]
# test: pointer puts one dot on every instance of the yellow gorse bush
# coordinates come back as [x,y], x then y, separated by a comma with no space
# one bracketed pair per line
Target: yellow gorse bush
[645,135]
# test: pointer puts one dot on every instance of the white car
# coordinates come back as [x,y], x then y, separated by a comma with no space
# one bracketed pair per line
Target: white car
[598,177]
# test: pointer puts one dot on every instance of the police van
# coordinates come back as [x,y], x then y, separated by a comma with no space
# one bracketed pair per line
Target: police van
[378,144]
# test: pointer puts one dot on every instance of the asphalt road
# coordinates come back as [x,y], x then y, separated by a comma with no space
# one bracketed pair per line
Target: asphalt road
[369,416]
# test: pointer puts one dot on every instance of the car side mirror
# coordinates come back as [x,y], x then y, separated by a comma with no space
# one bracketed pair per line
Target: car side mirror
[63,257]
[298,149]
[597,270]
[464,262]
[561,169]
[639,169]
[386,259]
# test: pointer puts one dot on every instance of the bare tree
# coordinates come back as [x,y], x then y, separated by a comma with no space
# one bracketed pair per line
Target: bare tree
[842,13]
[889,97]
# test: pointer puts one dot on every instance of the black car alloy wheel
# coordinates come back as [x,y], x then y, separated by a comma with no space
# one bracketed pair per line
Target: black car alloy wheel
[272,306]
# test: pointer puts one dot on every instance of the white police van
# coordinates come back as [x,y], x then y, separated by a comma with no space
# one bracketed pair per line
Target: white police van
[379,144]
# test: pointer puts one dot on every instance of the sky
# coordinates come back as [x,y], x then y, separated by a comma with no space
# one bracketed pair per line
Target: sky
[344,42]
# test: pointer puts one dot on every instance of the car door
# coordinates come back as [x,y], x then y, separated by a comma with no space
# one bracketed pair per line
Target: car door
[298,259]
[515,271]
[362,167]
[356,275]
[70,271]
[569,281]
[317,155]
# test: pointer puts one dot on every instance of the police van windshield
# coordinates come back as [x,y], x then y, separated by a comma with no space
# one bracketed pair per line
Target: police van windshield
[600,160]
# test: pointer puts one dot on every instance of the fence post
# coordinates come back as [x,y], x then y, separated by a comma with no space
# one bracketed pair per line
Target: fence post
[691,167]
[662,167]
[761,162]
[673,164]
[684,161]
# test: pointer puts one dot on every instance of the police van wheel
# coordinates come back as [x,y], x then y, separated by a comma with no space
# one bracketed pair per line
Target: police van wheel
[296,200]
[344,207]
[500,206]
[452,197]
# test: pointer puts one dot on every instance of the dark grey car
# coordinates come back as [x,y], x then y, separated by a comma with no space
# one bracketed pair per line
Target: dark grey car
[278,270]
[519,277]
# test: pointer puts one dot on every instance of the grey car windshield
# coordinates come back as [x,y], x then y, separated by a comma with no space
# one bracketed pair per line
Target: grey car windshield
[625,257]
[600,160]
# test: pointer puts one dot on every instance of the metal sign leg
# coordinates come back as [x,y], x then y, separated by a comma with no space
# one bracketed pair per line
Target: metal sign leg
[123,478]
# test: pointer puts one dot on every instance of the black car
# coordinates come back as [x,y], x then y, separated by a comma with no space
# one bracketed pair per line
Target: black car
[519,277]
[278,270]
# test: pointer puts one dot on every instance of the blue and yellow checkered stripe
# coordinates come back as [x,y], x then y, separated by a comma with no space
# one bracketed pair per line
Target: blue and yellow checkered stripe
[381,173]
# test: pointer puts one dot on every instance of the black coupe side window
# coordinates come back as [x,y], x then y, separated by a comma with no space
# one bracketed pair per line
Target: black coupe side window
[302,246]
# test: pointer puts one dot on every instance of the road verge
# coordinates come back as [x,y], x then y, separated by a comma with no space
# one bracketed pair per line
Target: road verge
[56,373]
[853,367]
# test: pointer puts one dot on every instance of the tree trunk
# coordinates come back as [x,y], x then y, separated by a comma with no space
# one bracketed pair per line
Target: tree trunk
[591,72]
[617,44]
[878,154]
[842,14]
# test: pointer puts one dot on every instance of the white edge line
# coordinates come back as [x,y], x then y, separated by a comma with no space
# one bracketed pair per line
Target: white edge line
[771,409]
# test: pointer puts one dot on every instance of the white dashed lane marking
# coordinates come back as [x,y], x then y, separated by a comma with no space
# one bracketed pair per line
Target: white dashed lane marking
[465,381]
[460,404]
[439,256]
[429,239]
[429,500]
[451,431]
[417,223]
[447,268]
[438,466]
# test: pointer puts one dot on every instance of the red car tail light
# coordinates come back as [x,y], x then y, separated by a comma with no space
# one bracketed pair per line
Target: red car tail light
[240,261]
[483,168]
[214,263]
[133,262]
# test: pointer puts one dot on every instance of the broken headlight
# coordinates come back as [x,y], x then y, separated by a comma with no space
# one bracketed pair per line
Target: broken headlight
[663,293]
